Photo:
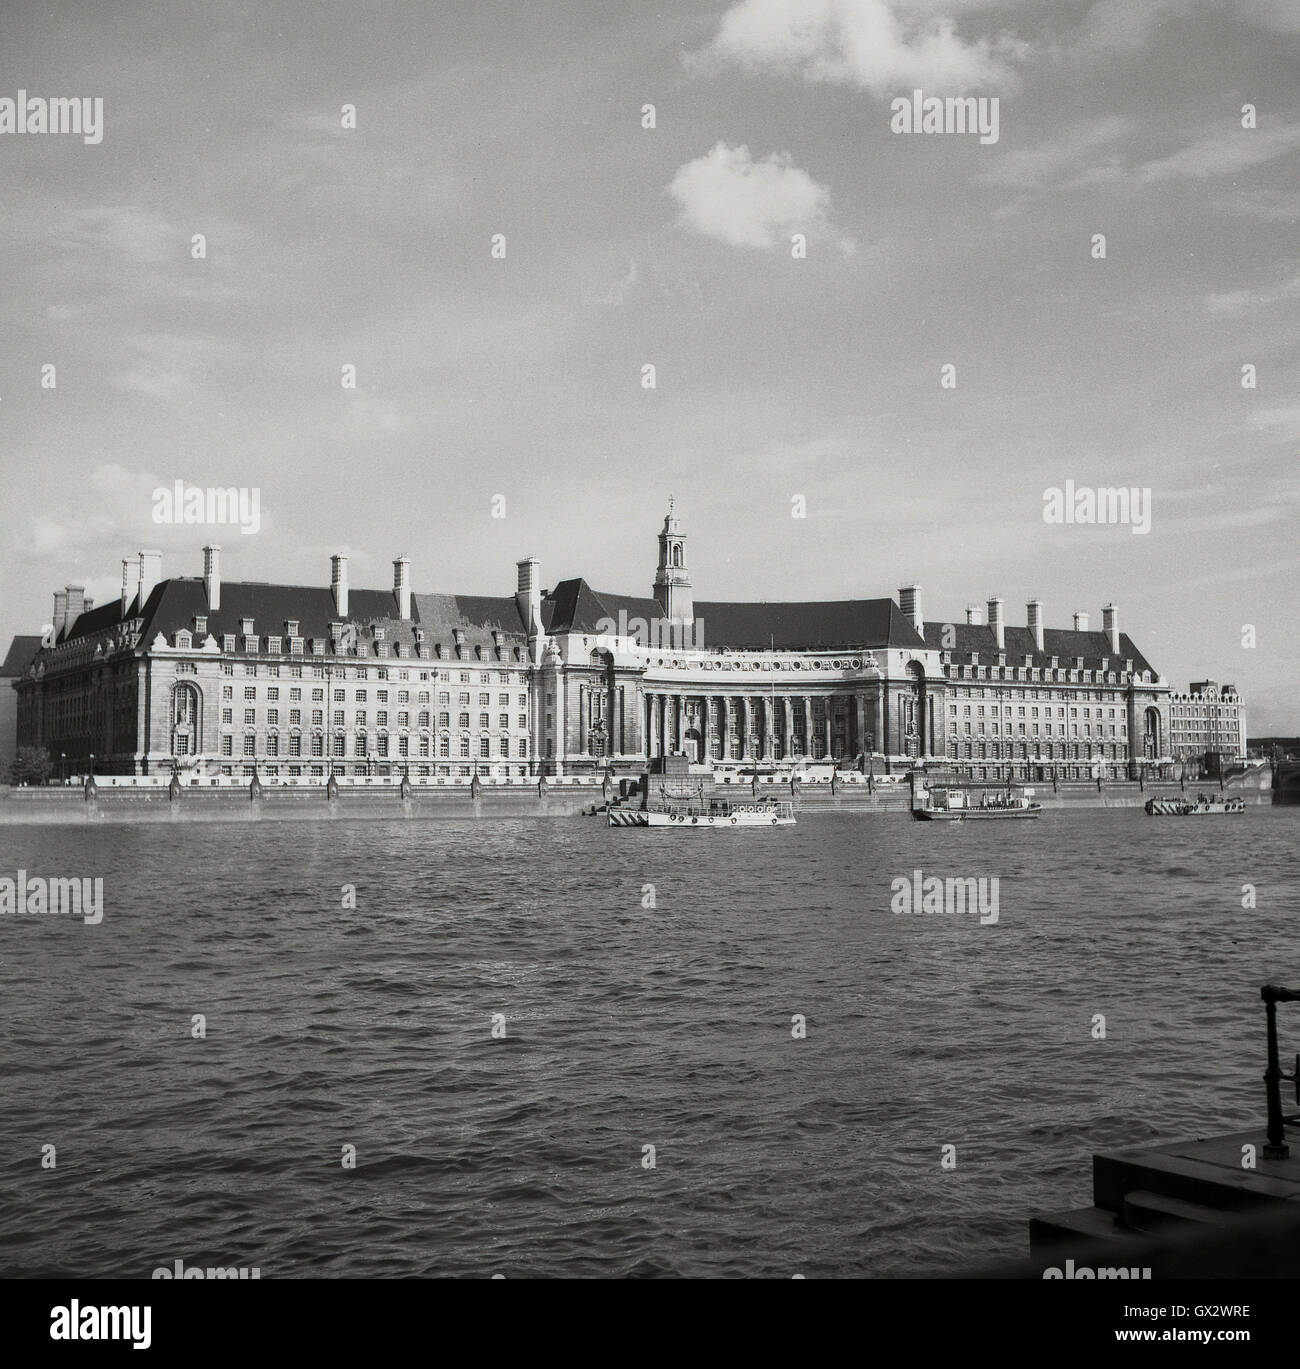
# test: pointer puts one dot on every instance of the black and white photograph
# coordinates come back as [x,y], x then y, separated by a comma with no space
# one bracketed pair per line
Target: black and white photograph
[650,641]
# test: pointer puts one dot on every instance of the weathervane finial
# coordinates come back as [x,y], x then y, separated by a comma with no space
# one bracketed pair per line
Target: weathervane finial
[670,502]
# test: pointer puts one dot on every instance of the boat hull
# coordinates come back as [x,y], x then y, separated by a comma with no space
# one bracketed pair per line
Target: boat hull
[976,814]
[1181,808]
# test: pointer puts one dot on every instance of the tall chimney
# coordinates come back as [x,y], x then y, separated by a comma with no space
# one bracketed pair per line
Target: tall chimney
[212,577]
[1034,611]
[339,584]
[909,600]
[1110,625]
[1081,622]
[129,573]
[60,611]
[150,573]
[528,595]
[76,604]
[972,615]
[995,622]
[402,586]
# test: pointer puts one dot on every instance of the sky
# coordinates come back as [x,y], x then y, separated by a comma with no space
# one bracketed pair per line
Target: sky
[501,407]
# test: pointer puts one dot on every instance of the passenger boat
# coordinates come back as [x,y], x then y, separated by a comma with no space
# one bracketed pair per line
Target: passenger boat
[948,804]
[702,813]
[1189,808]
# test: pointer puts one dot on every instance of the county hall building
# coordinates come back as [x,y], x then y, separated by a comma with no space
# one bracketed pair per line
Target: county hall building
[229,678]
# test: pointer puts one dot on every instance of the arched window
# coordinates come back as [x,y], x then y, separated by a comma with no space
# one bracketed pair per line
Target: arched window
[677,554]
[187,719]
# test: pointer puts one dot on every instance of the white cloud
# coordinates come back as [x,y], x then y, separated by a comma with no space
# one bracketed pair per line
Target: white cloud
[1222,154]
[1243,301]
[879,45]
[727,195]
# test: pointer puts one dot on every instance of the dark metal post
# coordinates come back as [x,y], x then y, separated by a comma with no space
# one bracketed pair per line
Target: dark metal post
[1276,1147]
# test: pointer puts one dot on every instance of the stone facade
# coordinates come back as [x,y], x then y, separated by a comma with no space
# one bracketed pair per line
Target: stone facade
[295,681]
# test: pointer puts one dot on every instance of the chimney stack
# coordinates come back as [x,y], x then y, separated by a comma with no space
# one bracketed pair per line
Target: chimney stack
[995,622]
[909,600]
[212,577]
[1110,625]
[972,615]
[528,595]
[150,573]
[339,584]
[129,570]
[1081,622]
[402,586]
[1034,610]
[76,604]
[60,611]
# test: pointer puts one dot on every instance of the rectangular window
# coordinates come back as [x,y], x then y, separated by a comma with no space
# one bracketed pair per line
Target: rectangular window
[272,717]
[339,746]
[383,748]
[464,746]
[403,746]
[273,745]
[317,744]
[295,744]
[227,745]
[250,743]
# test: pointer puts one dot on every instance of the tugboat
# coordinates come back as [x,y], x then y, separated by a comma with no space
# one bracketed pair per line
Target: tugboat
[1187,808]
[948,804]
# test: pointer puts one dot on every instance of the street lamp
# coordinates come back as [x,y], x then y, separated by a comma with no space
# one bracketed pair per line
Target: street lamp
[63,767]
[92,764]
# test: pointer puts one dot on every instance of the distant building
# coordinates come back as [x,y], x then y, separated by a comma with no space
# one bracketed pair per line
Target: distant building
[1207,724]
[21,653]
[296,680]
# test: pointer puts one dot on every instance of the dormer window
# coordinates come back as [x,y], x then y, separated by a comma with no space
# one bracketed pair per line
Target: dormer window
[246,626]
[291,627]
[295,646]
[183,640]
[273,645]
[201,625]
[228,641]
[380,633]
[250,643]
[419,634]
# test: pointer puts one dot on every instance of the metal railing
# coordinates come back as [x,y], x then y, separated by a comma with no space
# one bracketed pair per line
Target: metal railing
[1276,1147]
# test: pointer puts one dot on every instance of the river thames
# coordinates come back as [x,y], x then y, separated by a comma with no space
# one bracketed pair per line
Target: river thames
[650,987]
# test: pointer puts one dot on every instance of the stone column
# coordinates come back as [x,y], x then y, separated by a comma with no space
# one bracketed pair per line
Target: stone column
[830,703]
[807,725]
[765,728]
[706,728]
[860,709]
[880,741]
[681,720]
[787,706]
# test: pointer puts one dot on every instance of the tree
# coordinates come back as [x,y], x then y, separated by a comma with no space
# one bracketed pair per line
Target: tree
[31,765]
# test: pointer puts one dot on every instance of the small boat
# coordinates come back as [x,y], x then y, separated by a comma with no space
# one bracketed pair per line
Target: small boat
[705,813]
[1189,808]
[948,804]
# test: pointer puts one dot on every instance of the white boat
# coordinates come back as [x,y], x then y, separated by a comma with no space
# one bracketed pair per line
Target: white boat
[952,804]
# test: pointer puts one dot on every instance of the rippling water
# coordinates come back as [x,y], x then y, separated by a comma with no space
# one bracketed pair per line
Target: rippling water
[626,1027]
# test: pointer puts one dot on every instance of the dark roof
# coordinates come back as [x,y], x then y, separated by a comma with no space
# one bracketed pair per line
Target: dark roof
[173,605]
[1063,643]
[818,623]
[573,606]
[19,657]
